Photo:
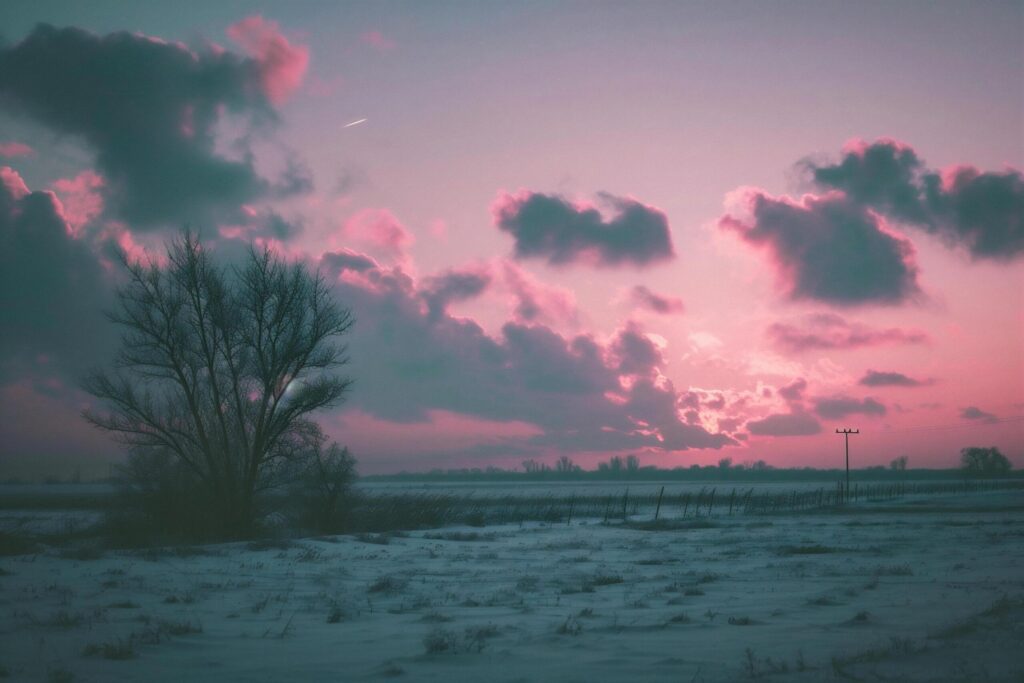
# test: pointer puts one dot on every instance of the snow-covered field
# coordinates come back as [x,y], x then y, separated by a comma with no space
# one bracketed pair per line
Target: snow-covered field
[925,588]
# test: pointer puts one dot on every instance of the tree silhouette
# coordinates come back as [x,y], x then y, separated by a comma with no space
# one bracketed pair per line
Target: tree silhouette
[989,462]
[219,368]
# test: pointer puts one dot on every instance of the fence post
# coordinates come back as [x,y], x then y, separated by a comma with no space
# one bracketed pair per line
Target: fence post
[657,510]
[625,500]
[711,502]
[572,502]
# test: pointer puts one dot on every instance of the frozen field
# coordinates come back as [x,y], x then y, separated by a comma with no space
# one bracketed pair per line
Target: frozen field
[927,588]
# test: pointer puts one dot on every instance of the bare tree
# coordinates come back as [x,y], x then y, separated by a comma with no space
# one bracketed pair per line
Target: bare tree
[221,367]
[565,465]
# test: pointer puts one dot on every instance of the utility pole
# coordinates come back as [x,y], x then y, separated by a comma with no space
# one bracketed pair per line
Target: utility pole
[846,436]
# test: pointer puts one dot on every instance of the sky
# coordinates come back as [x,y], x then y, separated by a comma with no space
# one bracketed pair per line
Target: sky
[682,231]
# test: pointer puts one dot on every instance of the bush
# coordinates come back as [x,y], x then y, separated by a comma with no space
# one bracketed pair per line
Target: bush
[322,486]
[159,500]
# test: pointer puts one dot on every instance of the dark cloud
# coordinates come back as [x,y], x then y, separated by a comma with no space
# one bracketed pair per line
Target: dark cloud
[785,424]
[836,407]
[642,297]
[149,109]
[52,289]
[794,391]
[884,175]
[295,180]
[828,249]
[408,362]
[873,378]
[555,229]
[454,285]
[266,224]
[335,262]
[977,414]
[636,353]
[827,331]
[983,212]
[980,211]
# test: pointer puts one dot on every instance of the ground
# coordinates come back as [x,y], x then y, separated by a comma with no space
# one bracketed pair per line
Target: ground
[927,588]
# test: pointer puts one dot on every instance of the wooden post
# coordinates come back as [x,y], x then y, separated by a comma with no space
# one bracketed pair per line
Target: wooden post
[625,500]
[732,498]
[712,501]
[657,510]
[572,502]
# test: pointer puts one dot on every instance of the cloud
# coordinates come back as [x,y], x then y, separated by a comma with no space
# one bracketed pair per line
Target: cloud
[644,298]
[785,424]
[827,331]
[537,302]
[456,284]
[883,176]
[555,229]
[346,259]
[261,225]
[380,232]
[150,110]
[281,65]
[794,391]
[873,378]
[977,414]
[81,199]
[409,361]
[827,248]
[52,288]
[15,149]
[836,407]
[295,180]
[982,212]
[637,354]
[377,41]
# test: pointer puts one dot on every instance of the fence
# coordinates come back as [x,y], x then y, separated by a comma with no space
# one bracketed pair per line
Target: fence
[384,511]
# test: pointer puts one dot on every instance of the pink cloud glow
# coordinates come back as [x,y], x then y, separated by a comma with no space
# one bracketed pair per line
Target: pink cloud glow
[380,232]
[535,301]
[282,64]
[15,149]
[80,198]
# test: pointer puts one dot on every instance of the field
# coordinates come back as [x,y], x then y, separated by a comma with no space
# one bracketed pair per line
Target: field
[914,588]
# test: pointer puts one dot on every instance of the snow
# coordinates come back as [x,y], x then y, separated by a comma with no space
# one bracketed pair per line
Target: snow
[896,588]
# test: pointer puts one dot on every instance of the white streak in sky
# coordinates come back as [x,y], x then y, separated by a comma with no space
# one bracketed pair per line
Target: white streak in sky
[354,123]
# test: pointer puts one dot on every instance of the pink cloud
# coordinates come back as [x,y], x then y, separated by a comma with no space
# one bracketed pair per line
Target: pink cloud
[538,302]
[377,41]
[282,65]
[379,231]
[13,183]
[827,331]
[15,149]
[80,198]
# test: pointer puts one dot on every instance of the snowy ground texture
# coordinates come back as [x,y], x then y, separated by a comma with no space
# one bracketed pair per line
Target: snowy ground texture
[921,589]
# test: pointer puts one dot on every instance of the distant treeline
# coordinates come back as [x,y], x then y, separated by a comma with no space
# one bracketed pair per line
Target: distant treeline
[694,473]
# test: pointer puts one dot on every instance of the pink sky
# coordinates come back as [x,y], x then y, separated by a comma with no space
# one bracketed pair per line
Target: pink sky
[563,228]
